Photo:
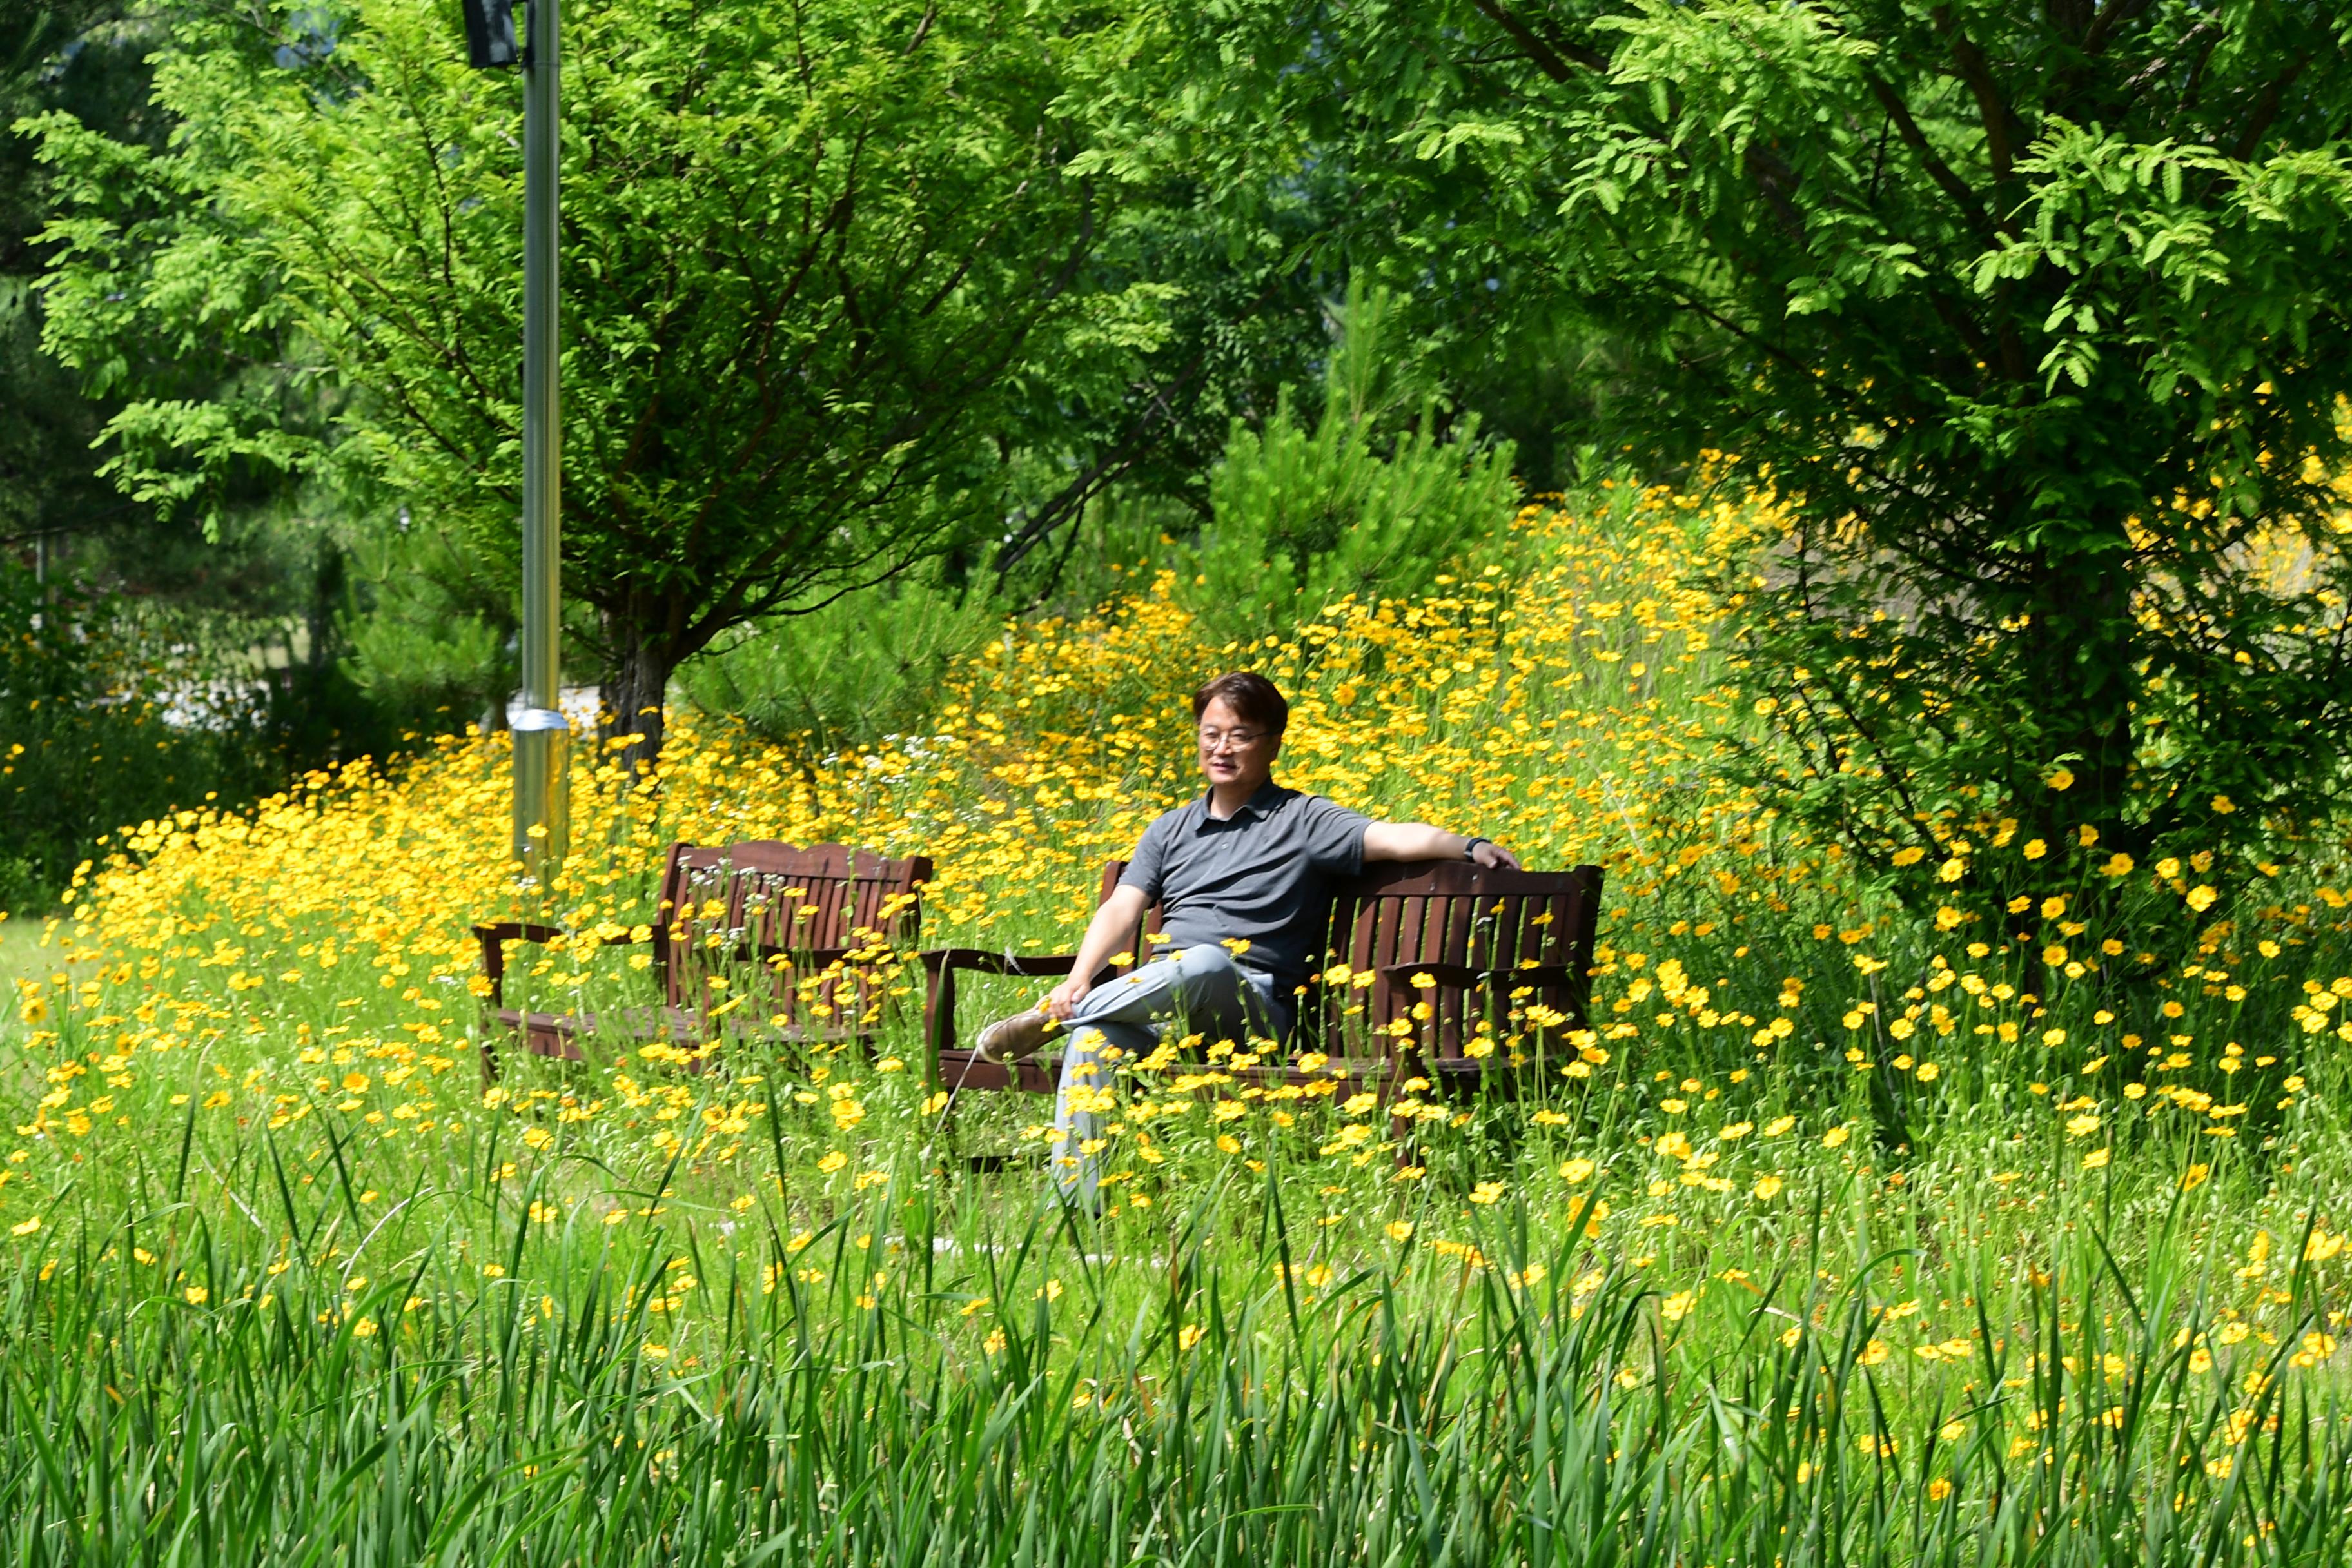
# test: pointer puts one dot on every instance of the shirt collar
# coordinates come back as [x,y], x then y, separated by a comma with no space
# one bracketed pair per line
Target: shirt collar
[1269,796]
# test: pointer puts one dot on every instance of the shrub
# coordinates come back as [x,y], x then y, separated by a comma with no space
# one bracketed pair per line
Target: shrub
[97,730]
[848,673]
[1375,499]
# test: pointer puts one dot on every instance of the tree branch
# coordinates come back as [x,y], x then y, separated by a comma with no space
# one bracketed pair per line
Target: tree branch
[2112,15]
[2266,111]
[1972,207]
[1555,60]
[2003,130]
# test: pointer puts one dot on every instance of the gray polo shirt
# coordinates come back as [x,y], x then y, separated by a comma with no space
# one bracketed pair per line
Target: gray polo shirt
[1263,874]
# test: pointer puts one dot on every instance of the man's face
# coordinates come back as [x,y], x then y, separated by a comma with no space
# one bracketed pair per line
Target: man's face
[1234,751]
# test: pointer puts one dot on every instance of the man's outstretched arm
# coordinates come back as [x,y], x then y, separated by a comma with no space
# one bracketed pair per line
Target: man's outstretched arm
[1112,928]
[1420,841]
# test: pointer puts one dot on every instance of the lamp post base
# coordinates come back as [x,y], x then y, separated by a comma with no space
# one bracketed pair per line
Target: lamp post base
[543,802]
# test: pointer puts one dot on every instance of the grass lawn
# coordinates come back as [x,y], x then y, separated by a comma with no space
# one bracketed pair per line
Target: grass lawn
[1847,1236]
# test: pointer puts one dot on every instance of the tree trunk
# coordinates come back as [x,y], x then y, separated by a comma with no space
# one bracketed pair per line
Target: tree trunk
[637,684]
[2084,649]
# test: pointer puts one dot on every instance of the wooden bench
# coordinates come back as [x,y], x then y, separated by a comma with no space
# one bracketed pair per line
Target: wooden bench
[737,929]
[1489,943]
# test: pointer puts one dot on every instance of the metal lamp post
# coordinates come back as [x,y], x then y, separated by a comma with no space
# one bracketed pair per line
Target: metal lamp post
[542,736]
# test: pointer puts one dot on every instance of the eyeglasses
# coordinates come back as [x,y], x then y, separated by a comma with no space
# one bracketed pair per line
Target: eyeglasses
[1216,740]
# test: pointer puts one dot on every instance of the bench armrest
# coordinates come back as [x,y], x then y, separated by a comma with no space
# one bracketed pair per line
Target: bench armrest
[939,967]
[938,960]
[494,937]
[517,931]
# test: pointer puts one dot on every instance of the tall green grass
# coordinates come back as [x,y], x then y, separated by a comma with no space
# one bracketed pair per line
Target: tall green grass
[380,1399]
[279,1283]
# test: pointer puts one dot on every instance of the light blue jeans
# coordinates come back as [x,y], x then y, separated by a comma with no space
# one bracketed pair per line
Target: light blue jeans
[1201,987]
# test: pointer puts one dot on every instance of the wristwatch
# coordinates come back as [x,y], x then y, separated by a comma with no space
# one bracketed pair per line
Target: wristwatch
[1470,850]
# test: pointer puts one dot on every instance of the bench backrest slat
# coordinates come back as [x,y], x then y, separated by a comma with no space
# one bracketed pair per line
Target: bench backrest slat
[720,904]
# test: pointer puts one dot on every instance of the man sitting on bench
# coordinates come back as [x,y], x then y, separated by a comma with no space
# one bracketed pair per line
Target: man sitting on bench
[1243,877]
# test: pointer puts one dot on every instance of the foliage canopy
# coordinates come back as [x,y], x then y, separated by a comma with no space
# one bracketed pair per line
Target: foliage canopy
[806,253]
[2031,315]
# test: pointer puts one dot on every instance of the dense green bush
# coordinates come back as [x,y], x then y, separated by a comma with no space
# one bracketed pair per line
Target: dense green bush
[84,743]
[111,713]
[848,673]
[428,627]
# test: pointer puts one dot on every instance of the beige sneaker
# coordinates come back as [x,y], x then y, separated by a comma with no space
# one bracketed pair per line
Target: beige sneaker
[1008,1040]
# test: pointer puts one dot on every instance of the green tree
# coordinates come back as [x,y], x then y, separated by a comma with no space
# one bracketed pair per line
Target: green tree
[1241,313]
[2033,317]
[81,57]
[810,252]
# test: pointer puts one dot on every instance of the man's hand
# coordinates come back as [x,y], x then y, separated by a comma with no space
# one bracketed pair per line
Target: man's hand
[1064,999]
[1494,856]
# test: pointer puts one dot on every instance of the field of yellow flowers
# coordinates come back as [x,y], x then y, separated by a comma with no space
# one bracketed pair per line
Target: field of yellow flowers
[1853,1238]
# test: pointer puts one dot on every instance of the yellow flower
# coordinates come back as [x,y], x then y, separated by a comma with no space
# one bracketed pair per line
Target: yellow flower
[25,1227]
[1767,1188]
[832,1161]
[1835,1137]
[2118,865]
[2202,897]
[1400,1230]
[2094,1159]
[196,1295]
[2059,779]
[2223,805]
[1677,1307]
[2036,849]
[1577,1170]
